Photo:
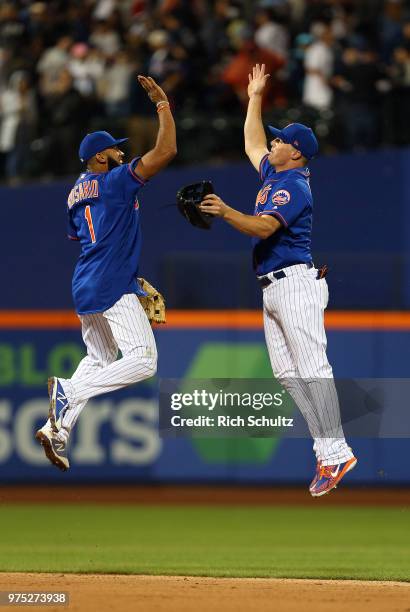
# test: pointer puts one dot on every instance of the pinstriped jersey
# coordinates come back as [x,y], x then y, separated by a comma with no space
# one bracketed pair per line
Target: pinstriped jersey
[287,197]
[103,214]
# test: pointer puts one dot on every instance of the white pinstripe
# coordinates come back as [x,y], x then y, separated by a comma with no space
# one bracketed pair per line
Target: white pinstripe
[296,339]
[125,326]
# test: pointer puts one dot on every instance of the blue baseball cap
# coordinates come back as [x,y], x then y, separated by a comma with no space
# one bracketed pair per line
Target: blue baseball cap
[95,143]
[299,136]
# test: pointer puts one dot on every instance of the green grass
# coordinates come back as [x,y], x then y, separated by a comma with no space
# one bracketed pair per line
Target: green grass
[319,542]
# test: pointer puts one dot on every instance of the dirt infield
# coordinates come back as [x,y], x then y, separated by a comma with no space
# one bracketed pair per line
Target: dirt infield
[119,593]
[200,495]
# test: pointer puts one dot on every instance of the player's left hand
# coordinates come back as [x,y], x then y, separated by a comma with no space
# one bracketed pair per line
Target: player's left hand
[257,80]
[213,205]
[154,91]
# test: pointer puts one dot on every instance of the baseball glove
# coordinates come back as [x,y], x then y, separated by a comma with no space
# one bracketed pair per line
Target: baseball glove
[153,303]
[188,200]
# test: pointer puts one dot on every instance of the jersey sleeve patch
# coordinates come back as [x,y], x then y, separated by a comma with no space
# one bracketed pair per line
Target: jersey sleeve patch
[287,204]
[281,197]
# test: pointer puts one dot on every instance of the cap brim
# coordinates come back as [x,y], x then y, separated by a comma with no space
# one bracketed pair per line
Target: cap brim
[275,132]
[120,140]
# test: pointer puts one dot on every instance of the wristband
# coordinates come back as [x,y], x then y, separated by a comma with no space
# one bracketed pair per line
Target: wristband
[163,107]
[162,103]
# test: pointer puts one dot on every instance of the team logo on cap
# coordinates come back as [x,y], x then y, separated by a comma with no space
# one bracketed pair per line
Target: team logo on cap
[281,197]
[263,195]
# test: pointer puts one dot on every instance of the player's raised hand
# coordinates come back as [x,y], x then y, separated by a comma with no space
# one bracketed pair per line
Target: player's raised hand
[213,205]
[154,91]
[257,80]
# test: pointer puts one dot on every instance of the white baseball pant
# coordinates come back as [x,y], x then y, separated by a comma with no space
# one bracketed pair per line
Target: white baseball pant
[124,326]
[293,309]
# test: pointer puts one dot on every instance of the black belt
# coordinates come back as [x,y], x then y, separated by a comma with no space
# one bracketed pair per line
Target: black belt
[264,281]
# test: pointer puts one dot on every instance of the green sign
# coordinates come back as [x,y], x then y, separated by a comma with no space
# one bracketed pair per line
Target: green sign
[23,365]
[216,360]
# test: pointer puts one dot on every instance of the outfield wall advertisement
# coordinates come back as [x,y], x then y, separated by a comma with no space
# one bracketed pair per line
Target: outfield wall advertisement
[119,438]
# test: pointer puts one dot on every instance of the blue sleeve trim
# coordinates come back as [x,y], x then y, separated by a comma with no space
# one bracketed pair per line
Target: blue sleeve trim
[280,218]
[274,213]
[134,175]
[264,158]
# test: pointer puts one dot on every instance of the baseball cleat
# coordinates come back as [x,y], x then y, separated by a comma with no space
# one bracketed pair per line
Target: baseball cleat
[54,448]
[316,477]
[58,402]
[330,476]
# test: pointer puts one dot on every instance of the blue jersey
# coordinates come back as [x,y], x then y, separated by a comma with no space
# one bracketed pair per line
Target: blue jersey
[287,197]
[103,214]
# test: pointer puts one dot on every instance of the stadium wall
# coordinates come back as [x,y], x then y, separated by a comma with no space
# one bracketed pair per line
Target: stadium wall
[361,230]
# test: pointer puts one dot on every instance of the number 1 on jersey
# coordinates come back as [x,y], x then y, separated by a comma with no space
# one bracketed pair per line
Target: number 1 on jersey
[90,222]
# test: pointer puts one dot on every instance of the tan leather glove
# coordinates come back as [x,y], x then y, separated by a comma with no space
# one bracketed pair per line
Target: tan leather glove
[153,303]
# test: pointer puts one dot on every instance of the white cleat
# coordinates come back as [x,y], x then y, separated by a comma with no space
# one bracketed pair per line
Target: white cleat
[54,448]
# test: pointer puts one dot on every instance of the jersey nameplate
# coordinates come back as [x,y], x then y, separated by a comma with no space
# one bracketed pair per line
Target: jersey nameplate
[83,191]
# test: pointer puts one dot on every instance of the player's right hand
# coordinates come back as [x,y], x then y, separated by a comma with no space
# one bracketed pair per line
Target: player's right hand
[154,91]
[257,80]
[214,205]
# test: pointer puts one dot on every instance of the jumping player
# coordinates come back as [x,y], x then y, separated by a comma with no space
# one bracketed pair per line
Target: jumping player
[295,293]
[103,212]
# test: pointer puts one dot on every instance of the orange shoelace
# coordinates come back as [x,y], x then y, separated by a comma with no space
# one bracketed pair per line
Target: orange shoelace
[326,471]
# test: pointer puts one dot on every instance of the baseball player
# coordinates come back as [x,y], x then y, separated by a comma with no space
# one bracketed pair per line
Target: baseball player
[295,293]
[103,214]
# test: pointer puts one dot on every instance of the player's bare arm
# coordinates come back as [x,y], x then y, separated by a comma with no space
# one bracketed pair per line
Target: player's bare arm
[255,137]
[261,227]
[166,145]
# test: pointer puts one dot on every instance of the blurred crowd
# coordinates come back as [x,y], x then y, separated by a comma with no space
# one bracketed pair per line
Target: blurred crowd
[70,66]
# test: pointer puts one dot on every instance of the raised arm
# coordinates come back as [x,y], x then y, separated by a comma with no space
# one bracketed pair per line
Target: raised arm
[255,138]
[166,145]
